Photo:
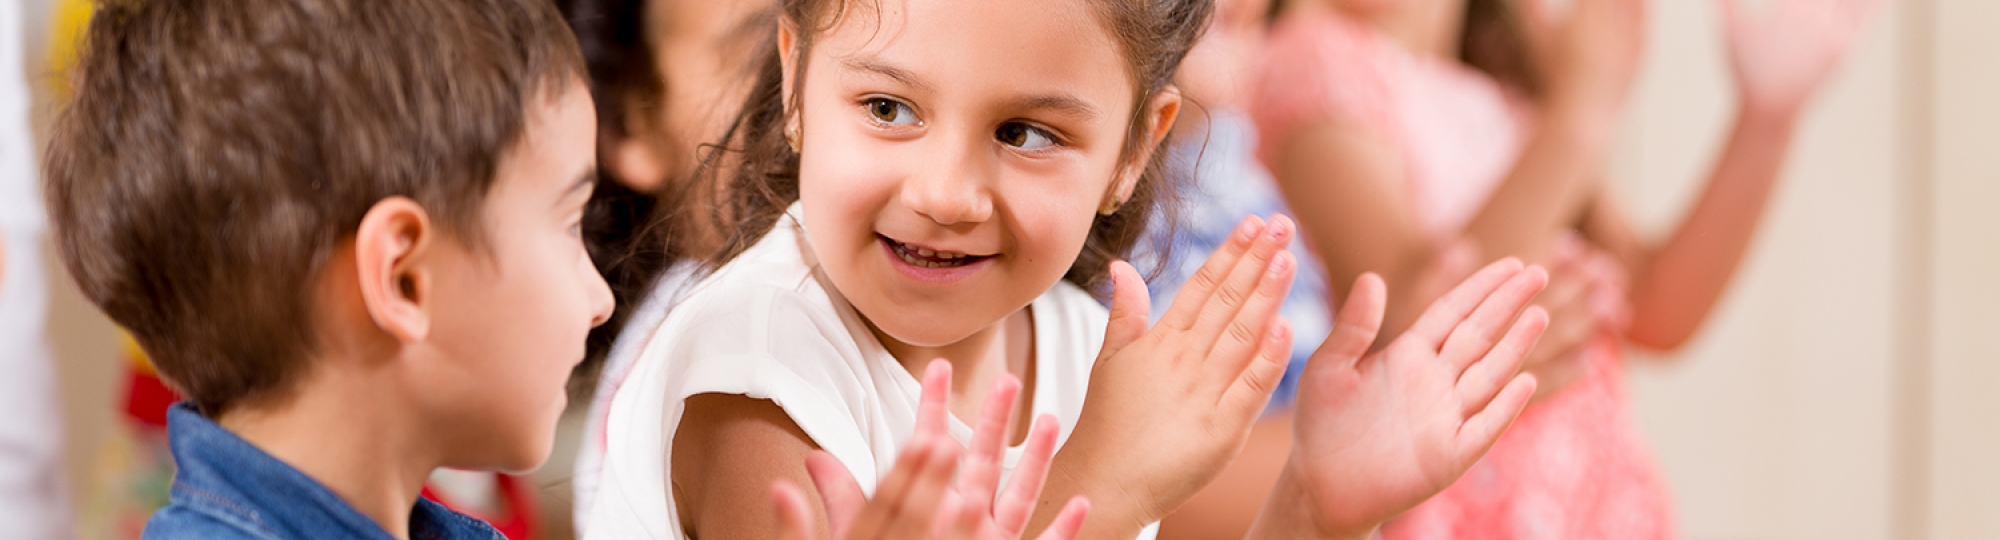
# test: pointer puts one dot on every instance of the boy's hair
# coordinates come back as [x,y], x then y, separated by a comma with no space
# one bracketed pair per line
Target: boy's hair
[217,152]
[1153,37]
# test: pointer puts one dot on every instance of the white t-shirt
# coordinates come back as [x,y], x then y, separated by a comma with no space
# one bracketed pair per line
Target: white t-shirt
[671,288]
[769,325]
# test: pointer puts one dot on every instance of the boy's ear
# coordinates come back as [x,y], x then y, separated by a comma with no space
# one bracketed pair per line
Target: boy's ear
[1159,118]
[392,252]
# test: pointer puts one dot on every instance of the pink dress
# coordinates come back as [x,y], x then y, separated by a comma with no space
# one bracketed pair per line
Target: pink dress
[1573,465]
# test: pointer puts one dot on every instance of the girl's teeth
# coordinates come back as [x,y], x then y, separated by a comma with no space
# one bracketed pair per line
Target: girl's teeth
[921,252]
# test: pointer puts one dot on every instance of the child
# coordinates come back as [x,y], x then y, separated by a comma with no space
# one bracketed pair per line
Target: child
[1411,121]
[932,179]
[348,232]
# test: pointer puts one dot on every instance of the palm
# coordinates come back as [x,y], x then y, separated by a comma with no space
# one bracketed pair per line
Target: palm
[1781,55]
[1375,436]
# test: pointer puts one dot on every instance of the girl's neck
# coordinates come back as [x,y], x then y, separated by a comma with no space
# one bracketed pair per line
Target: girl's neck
[1429,28]
[1005,347]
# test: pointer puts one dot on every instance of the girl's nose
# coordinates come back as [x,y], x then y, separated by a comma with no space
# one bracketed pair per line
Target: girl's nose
[951,190]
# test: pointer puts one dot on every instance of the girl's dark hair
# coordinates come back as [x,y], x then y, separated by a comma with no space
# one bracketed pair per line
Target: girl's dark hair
[762,177]
[1494,43]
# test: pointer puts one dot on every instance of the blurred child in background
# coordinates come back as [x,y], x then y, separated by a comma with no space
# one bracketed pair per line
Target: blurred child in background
[1404,122]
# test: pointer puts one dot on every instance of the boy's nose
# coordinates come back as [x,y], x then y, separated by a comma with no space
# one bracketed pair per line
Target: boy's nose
[601,301]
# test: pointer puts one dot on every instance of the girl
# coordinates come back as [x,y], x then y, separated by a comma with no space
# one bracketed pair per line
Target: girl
[944,178]
[1417,120]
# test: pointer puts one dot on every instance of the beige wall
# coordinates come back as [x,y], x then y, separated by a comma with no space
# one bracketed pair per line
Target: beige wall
[1847,386]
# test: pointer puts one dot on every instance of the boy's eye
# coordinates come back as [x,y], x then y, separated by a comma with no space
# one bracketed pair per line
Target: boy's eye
[1023,136]
[889,111]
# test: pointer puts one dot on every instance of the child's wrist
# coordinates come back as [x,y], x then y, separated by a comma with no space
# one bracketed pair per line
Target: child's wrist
[1291,511]
[1114,510]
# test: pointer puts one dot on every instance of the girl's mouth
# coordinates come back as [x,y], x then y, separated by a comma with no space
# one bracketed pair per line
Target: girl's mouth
[926,258]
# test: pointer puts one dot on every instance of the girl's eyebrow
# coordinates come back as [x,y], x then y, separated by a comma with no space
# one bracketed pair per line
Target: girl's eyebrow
[1061,103]
[877,67]
[1064,104]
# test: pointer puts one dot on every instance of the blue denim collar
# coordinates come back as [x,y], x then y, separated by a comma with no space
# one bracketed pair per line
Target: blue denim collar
[227,485]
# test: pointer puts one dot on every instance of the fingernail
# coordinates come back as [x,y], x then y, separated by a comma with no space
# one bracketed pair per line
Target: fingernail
[1280,263]
[1280,225]
[1246,230]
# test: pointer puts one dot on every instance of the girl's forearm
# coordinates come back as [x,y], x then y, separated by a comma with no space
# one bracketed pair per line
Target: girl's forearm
[1681,279]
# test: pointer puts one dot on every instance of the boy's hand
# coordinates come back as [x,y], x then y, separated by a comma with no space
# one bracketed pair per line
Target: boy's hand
[1169,405]
[1375,436]
[917,500]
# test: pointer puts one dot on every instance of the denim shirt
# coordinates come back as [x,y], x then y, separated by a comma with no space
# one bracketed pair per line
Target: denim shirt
[227,488]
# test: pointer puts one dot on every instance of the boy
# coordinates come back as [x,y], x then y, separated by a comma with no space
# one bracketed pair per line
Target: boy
[346,231]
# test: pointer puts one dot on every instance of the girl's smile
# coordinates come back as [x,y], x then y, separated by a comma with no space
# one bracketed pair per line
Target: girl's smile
[938,266]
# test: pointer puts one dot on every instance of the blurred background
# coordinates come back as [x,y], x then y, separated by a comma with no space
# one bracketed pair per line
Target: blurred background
[1848,387]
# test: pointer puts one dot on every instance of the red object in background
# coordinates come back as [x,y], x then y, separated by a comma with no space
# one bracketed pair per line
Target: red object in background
[518,521]
[147,399]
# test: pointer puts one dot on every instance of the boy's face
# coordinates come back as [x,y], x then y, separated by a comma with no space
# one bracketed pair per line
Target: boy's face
[511,314]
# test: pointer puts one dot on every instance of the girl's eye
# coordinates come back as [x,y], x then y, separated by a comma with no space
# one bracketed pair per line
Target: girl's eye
[1023,136]
[889,111]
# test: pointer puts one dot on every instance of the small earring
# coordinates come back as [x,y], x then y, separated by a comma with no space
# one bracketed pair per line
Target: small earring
[792,135]
[1110,207]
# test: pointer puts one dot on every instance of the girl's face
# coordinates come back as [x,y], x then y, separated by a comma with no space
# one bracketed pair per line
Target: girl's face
[956,152]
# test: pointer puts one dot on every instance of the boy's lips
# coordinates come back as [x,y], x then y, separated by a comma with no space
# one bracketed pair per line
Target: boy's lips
[930,265]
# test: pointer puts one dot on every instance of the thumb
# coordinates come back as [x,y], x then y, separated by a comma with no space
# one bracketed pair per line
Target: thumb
[794,521]
[1356,324]
[1131,309]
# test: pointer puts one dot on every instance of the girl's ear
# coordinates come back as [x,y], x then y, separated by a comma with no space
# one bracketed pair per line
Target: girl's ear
[393,254]
[1159,118]
[788,60]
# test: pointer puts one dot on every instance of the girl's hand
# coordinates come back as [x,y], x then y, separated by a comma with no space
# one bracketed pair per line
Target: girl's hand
[1169,405]
[1587,57]
[1375,436]
[917,500]
[1782,55]
[1584,299]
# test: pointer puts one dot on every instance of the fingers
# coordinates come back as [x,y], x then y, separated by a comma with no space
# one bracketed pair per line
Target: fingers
[1193,296]
[1131,309]
[907,502]
[794,521]
[1246,336]
[931,409]
[1239,311]
[1356,325]
[1442,316]
[1017,504]
[1257,382]
[838,491]
[1480,431]
[1478,384]
[981,474]
[1069,521]
[1479,332]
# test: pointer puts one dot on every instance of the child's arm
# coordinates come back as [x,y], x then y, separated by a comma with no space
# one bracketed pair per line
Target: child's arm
[1375,436]
[908,504]
[1780,58]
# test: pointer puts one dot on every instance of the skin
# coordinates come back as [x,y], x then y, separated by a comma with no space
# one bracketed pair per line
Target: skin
[439,352]
[701,50]
[914,130]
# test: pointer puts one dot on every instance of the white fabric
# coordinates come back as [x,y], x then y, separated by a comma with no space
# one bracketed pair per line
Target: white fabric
[770,326]
[673,286]
[32,496]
